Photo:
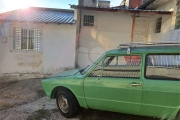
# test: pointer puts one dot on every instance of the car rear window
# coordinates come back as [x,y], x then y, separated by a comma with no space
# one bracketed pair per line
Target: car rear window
[165,67]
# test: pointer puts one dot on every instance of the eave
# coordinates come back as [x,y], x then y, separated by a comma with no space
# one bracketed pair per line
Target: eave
[140,11]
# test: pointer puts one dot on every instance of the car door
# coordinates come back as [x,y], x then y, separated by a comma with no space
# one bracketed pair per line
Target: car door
[117,86]
[161,90]
[92,87]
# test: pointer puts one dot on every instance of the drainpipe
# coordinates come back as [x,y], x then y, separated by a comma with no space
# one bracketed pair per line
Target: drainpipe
[78,36]
[133,25]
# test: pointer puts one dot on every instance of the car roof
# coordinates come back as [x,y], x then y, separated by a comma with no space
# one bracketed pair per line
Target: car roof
[146,50]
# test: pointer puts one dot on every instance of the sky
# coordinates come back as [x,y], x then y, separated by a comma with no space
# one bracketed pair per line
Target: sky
[8,5]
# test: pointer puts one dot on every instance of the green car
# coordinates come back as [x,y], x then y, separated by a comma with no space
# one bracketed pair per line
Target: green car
[141,80]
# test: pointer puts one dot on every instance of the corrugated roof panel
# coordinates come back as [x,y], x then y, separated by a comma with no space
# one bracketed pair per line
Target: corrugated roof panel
[46,15]
[121,9]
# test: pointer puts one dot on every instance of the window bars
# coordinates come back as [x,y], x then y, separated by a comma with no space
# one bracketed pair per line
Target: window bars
[26,39]
[177,25]
[88,20]
[158,25]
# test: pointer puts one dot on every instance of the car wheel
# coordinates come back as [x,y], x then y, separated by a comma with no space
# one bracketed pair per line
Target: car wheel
[178,116]
[66,103]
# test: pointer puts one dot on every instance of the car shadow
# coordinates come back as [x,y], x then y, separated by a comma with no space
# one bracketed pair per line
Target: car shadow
[90,114]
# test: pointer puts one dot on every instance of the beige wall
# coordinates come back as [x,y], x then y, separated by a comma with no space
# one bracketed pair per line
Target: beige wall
[169,6]
[109,31]
[57,49]
[168,23]
[113,28]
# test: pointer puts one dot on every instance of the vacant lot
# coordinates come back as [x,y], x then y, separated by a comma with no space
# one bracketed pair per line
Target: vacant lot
[25,100]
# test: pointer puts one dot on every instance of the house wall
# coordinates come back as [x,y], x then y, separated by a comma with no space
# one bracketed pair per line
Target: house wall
[57,50]
[109,31]
[112,28]
[127,2]
[168,23]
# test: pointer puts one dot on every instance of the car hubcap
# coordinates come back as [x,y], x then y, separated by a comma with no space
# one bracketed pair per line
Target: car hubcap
[63,104]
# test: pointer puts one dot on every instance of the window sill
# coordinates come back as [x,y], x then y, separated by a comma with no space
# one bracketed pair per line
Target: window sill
[26,51]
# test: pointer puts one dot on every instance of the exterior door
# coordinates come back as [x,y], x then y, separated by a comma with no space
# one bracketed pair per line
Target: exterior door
[118,87]
[141,29]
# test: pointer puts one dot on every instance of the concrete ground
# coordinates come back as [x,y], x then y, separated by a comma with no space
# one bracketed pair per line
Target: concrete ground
[25,100]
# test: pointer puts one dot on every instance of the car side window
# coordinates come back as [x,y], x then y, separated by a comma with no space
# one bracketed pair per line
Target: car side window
[97,70]
[122,66]
[165,67]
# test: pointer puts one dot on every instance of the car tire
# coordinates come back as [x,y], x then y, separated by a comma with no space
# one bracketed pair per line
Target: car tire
[178,116]
[66,103]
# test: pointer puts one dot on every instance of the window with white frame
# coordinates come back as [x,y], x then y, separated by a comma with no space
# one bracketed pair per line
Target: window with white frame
[26,39]
[88,20]
[177,25]
[158,25]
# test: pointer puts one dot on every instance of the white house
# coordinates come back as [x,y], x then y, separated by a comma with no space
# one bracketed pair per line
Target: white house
[101,28]
[36,41]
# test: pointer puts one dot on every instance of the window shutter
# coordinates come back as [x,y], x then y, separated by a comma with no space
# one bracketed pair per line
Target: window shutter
[37,37]
[177,25]
[158,25]
[17,38]
[24,38]
[178,8]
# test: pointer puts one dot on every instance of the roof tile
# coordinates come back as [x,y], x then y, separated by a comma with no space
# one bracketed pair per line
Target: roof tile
[34,14]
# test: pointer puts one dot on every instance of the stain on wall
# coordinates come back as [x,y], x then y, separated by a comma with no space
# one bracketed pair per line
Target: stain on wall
[29,60]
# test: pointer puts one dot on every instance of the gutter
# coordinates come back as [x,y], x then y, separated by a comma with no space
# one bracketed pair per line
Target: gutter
[140,11]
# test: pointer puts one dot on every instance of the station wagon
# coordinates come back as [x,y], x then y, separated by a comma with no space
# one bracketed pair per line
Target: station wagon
[139,79]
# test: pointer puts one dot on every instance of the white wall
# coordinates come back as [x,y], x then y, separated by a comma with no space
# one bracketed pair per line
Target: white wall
[109,31]
[168,23]
[112,28]
[127,4]
[57,51]
[59,47]
[169,6]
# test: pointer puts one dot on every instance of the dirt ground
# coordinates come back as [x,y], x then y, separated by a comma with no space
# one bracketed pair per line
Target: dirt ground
[26,100]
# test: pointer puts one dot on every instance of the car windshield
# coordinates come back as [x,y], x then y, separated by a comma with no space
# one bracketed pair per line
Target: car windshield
[83,71]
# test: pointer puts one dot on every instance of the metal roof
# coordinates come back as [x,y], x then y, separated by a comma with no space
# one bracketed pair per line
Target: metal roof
[143,6]
[36,14]
[116,9]
[153,4]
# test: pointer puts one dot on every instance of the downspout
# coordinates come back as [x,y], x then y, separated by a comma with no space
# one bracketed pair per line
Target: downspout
[78,37]
[133,25]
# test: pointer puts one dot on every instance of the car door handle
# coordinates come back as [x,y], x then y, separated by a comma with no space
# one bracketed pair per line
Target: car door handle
[136,84]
